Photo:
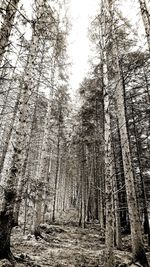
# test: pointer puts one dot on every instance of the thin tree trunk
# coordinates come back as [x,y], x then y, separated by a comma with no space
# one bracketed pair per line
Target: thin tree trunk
[22,181]
[7,213]
[48,173]
[10,86]
[144,198]
[83,187]
[146,19]
[108,180]
[118,239]
[109,231]
[8,135]
[5,31]
[41,171]
[25,210]
[57,166]
[89,191]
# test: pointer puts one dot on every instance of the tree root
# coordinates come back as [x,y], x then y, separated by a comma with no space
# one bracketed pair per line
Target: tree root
[12,260]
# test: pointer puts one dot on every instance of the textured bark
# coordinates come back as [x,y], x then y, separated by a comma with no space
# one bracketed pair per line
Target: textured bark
[89,192]
[7,214]
[7,135]
[83,186]
[9,87]
[6,225]
[117,221]
[48,173]
[120,180]
[109,241]
[41,171]
[22,179]
[136,233]
[97,163]
[96,185]
[25,210]
[57,166]
[109,232]
[7,25]
[143,193]
[15,170]
[146,19]
[118,239]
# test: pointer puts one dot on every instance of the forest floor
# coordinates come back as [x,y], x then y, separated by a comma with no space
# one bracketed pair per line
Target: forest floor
[65,245]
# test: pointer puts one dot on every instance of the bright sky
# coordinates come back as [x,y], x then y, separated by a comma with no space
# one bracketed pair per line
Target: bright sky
[79,44]
[79,48]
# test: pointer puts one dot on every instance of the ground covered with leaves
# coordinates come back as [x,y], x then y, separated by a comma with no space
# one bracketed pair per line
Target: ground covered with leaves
[65,245]
[61,246]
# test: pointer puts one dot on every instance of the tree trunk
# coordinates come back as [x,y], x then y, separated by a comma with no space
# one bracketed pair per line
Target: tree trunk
[108,180]
[117,221]
[136,233]
[7,25]
[109,232]
[25,210]
[8,135]
[146,19]
[6,225]
[89,190]
[7,214]
[10,86]
[57,166]
[22,179]
[118,239]
[48,173]
[83,186]
[143,194]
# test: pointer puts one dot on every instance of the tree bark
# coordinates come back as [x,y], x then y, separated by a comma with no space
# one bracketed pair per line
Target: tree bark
[146,19]
[57,165]
[5,31]
[6,225]
[143,193]
[8,135]
[109,232]
[136,233]
[14,173]
[117,220]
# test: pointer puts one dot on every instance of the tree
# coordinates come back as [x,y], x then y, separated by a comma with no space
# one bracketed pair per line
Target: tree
[7,220]
[136,233]
[60,112]
[109,236]
[10,8]
[57,55]
[146,19]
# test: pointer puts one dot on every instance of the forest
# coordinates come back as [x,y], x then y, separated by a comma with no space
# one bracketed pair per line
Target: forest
[74,173]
